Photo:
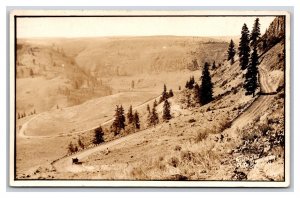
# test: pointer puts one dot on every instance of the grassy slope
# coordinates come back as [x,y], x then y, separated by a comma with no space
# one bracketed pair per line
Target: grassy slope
[189,146]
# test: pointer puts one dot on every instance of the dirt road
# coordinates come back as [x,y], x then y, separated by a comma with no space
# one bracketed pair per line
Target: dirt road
[259,105]
[22,131]
[65,164]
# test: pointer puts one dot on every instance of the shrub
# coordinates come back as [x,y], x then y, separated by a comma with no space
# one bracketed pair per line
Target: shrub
[174,162]
[264,128]
[225,124]
[177,148]
[202,135]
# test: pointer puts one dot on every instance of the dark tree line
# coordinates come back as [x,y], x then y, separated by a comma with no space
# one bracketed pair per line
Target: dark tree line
[119,122]
[165,94]
[247,46]
[190,83]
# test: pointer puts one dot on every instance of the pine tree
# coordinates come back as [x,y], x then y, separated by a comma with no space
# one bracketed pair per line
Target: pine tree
[190,84]
[244,49]
[206,86]
[154,116]
[214,65]
[122,118]
[166,111]
[188,101]
[136,120]
[148,108]
[154,104]
[231,52]
[76,148]
[71,148]
[80,143]
[130,115]
[98,135]
[192,80]
[251,83]
[171,94]
[255,33]
[164,95]
[187,84]
[197,93]
[119,121]
[149,123]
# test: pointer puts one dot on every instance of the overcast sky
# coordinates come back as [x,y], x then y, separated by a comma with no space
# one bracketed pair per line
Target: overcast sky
[135,26]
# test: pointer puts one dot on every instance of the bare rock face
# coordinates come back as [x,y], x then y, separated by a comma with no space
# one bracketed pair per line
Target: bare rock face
[274,34]
[276,28]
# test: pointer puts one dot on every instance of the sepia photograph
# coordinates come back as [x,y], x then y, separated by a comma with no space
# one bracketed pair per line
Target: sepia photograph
[149,98]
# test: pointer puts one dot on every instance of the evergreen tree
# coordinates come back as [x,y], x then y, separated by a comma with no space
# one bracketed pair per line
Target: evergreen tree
[130,115]
[190,84]
[206,86]
[171,94]
[71,148]
[19,116]
[214,65]
[192,81]
[166,111]
[80,143]
[149,123]
[231,52]
[154,104]
[187,84]
[164,95]
[244,49]
[197,93]
[188,101]
[148,108]
[255,33]
[122,118]
[136,120]
[251,83]
[98,135]
[119,121]
[154,117]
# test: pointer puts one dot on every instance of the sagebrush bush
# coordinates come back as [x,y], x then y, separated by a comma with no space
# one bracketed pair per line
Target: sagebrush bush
[202,135]
[173,161]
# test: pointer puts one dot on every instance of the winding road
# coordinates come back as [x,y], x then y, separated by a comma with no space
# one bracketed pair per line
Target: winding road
[22,131]
[65,164]
[259,105]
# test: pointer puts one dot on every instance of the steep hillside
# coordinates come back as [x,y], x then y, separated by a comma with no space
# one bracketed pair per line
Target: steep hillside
[47,79]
